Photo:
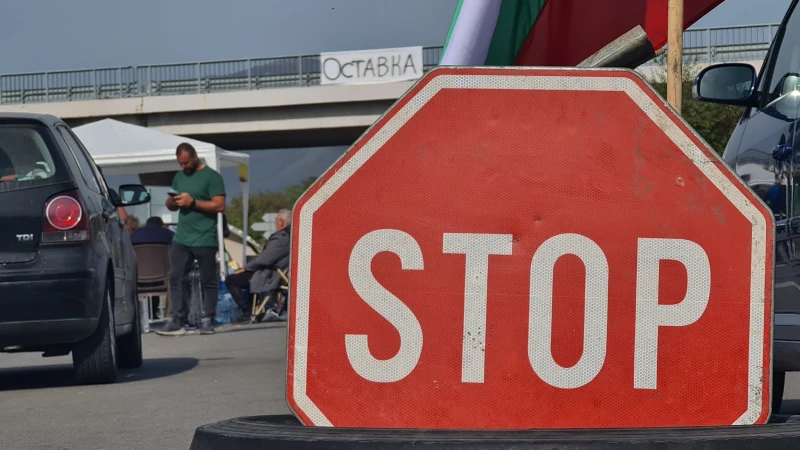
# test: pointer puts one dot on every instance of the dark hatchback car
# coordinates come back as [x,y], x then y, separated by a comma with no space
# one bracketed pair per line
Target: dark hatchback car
[67,267]
[762,152]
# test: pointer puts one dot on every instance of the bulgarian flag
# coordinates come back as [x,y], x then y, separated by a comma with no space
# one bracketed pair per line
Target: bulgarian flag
[553,32]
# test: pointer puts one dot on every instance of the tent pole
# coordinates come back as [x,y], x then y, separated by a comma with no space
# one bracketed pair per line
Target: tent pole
[246,213]
[149,204]
[220,237]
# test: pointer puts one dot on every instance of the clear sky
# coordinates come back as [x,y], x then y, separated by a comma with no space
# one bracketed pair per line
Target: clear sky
[42,35]
[77,34]
[745,12]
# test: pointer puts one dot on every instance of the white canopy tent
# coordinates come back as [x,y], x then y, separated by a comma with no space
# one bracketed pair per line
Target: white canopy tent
[124,149]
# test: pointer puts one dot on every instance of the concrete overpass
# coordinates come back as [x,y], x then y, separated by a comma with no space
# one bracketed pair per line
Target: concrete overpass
[269,118]
[273,102]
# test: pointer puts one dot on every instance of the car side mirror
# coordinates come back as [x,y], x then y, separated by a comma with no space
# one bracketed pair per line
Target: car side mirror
[727,84]
[790,83]
[132,195]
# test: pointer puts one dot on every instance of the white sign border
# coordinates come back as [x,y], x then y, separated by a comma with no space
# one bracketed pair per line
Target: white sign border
[709,168]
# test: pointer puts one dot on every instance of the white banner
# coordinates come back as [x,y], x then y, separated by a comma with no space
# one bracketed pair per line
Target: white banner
[371,66]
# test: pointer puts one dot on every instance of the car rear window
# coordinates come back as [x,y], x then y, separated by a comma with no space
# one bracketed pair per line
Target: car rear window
[28,157]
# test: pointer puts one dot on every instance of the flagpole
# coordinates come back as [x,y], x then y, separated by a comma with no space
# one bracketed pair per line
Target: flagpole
[675,54]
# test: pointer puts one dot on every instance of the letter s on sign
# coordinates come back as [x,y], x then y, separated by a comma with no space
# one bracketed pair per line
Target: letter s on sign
[387,305]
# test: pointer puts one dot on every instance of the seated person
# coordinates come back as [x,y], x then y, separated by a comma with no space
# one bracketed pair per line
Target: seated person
[153,232]
[259,275]
[7,170]
[132,224]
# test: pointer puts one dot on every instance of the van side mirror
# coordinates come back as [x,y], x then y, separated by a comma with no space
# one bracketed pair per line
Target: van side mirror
[727,84]
[132,195]
[789,83]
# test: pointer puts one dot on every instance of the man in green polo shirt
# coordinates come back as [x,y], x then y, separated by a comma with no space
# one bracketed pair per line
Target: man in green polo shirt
[200,196]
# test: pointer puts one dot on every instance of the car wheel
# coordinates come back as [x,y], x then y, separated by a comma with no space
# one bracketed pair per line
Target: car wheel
[129,347]
[95,359]
[778,382]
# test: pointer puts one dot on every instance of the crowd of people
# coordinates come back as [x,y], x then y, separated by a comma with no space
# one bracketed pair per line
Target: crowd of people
[198,195]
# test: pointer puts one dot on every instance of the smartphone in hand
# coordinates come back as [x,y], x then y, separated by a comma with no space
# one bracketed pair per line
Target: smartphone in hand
[172,194]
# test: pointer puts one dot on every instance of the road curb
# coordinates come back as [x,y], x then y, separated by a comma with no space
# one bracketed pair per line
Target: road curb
[286,432]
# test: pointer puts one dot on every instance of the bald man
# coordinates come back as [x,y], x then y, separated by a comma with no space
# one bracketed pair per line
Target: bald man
[259,275]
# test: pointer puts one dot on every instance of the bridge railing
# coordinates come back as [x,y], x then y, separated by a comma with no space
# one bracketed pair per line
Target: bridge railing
[701,45]
[170,79]
[727,44]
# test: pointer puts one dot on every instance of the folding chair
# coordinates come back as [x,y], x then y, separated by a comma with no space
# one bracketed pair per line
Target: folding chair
[282,293]
[153,275]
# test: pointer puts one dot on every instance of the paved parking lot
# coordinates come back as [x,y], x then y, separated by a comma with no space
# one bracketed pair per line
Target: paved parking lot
[185,382]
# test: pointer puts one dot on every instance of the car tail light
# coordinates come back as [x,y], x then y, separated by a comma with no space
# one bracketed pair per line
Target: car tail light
[65,219]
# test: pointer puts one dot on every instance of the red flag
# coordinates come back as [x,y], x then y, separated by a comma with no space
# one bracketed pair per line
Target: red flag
[569,31]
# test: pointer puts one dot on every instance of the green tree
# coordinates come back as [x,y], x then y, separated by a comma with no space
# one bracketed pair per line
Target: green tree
[263,203]
[293,192]
[715,123]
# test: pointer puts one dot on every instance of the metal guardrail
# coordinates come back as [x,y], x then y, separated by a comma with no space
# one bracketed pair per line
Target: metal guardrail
[170,79]
[701,45]
[727,44]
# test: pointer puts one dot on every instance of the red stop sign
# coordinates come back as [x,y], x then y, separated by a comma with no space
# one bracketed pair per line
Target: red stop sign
[530,248]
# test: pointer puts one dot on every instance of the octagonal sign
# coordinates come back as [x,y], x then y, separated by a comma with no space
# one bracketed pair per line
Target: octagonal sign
[530,248]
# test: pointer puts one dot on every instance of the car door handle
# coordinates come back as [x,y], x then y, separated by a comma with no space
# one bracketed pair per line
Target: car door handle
[782,152]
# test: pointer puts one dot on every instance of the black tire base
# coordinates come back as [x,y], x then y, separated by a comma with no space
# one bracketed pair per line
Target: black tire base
[286,432]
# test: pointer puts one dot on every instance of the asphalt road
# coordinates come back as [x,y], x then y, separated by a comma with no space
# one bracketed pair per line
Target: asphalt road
[185,382]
